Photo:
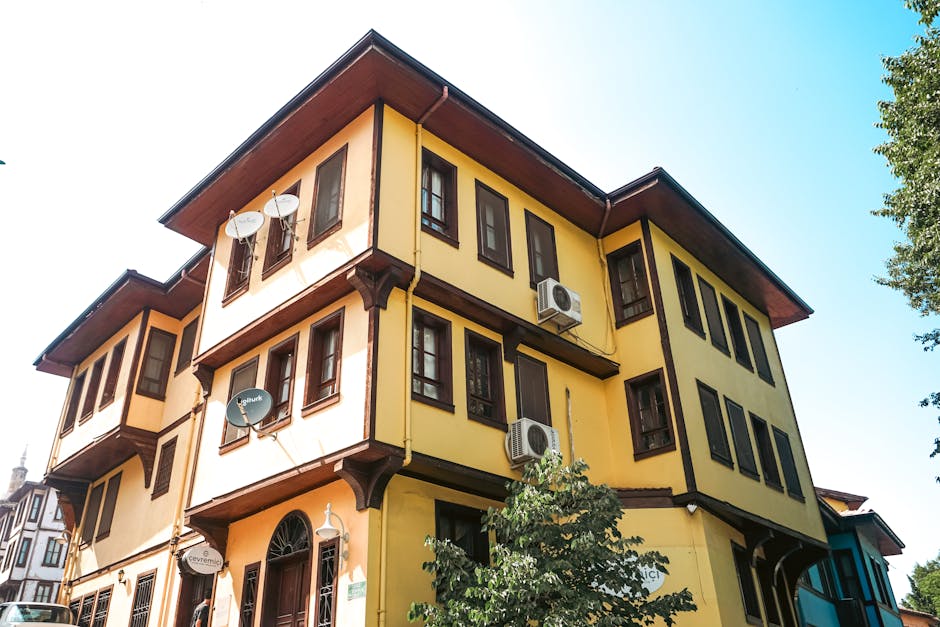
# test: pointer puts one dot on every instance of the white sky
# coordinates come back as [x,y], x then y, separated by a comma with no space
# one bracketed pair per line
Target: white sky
[111,111]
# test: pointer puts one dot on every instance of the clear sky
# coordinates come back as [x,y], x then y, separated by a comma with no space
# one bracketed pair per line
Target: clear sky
[765,112]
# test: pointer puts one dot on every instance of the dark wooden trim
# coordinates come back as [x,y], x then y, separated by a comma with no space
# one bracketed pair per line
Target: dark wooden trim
[445,360]
[455,476]
[372,374]
[374,288]
[451,215]
[270,265]
[378,127]
[496,376]
[173,425]
[693,323]
[70,494]
[611,261]
[108,398]
[671,374]
[314,238]
[530,219]
[205,374]
[234,290]
[314,356]
[180,367]
[739,346]
[642,498]
[216,535]
[368,480]
[135,364]
[275,352]
[225,446]
[633,412]
[495,263]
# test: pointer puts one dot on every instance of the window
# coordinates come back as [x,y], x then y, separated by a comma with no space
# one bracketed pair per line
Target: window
[765,576]
[543,258]
[58,513]
[23,554]
[628,283]
[493,245]
[431,380]
[714,425]
[103,601]
[713,316]
[484,380]
[249,595]
[156,367]
[43,592]
[757,345]
[650,421]
[53,553]
[74,606]
[438,197]
[86,611]
[738,343]
[161,484]
[20,511]
[742,439]
[114,369]
[827,578]
[881,583]
[143,593]
[280,380]
[187,345]
[848,574]
[788,464]
[280,247]
[90,519]
[326,583]
[328,192]
[35,507]
[532,390]
[746,580]
[107,512]
[243,377]
[72,411]
[239,266]
[463,526]
[765,451]
[10,551]
[88,407]
[323,359]
[687,300]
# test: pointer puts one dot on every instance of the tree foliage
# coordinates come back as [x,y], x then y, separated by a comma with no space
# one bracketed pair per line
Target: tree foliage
[912,122]
[558,557]
[925,588]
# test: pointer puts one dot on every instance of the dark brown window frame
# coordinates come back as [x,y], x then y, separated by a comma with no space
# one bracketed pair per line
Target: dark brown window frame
[44,590]
[494,261]
[184,357]
[250,581]
[494,357]
[543,367]
[75,397]
[91,393]
[313,381]
[114,373]
[631,387]
[741,438]
[717,434]
[613,260]
[164,471]
[749,591]
[273,380]
[445,511]
[138,605]
[100,615]
[765,448]
[449,226]
[532,224]
[713,317]
[107,507]
[92,510]
[227,445]
[314,237]
[788,463]
[444,360]
[736,330]
[164,368]
[758,348]
[275,256]
[321,548]
[241,261]
[688,301]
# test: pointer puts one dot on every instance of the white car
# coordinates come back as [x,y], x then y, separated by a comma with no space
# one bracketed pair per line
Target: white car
[34,614]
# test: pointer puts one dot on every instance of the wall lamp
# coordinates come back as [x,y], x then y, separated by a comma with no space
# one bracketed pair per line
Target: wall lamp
[328,531]
[63,538]
[121,576]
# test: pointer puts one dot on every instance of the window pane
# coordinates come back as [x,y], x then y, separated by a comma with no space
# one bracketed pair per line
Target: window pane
[329,187]
[687,300]
[765,450]
[737,333]
[787,463]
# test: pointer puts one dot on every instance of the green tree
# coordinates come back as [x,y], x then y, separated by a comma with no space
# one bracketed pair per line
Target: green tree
[912,122]
[925,587]
[557,561]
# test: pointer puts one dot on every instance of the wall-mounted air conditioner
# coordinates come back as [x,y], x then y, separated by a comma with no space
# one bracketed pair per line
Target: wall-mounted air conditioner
[558,304]
[528,440]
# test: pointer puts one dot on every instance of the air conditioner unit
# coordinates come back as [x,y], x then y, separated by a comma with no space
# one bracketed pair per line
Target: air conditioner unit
[528,440]
[558,304]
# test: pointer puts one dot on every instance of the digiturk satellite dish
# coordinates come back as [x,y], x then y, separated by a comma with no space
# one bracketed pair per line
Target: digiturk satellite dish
[282,207]
[248,408]
[242,226]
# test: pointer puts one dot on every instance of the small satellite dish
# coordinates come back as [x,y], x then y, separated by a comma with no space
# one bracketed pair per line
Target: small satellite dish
[282,206]
[248,407]
[244,225]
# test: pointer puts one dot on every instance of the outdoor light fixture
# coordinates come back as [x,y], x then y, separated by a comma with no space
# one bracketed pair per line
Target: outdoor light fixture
[63,538]
[328,531]
[121,576]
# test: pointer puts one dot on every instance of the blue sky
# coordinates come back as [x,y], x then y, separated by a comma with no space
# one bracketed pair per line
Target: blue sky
[765,112]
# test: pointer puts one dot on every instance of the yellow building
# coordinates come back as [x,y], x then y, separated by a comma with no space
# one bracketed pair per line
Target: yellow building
[446,295]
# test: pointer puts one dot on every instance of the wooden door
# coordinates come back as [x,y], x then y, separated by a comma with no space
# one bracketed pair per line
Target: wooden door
[291,583]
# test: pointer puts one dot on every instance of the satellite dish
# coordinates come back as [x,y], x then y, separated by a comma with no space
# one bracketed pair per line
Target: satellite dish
[243,225]
[248,407]
[282,206]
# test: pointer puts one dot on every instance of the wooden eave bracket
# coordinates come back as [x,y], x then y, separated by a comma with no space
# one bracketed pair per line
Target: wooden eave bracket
[144,444]
[215,534]
[375,287]
[368,480]
[205,375]
[70,494]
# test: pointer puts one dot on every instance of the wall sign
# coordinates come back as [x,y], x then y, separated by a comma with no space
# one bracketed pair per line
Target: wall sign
[202,560]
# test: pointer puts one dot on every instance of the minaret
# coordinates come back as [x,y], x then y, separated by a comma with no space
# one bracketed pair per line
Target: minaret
[18,476]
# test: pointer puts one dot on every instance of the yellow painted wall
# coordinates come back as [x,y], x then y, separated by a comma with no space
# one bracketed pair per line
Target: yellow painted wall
[329,428]
[306,266]
[122,594]
[696,358]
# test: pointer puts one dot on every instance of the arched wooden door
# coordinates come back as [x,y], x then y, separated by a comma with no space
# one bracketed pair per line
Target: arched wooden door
[287,577]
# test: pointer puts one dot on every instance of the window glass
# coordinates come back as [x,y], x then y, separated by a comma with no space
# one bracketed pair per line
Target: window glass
[280,380]
[328,206]
[324,358]
[628,283]
[493,228]
[649,414]
[280,246]
[239,267]
[438,197]
[463,526]
[156,367]
[430,358]
[484,379]
[243,377]
[543,259]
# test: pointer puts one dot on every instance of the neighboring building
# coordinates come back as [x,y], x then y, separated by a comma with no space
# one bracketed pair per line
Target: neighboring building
[851,588]
[394,320]
[913,618]
[31,549]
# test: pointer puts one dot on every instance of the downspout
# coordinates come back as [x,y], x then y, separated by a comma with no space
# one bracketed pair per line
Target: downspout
[406,369]
[608,296]
[178,512]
